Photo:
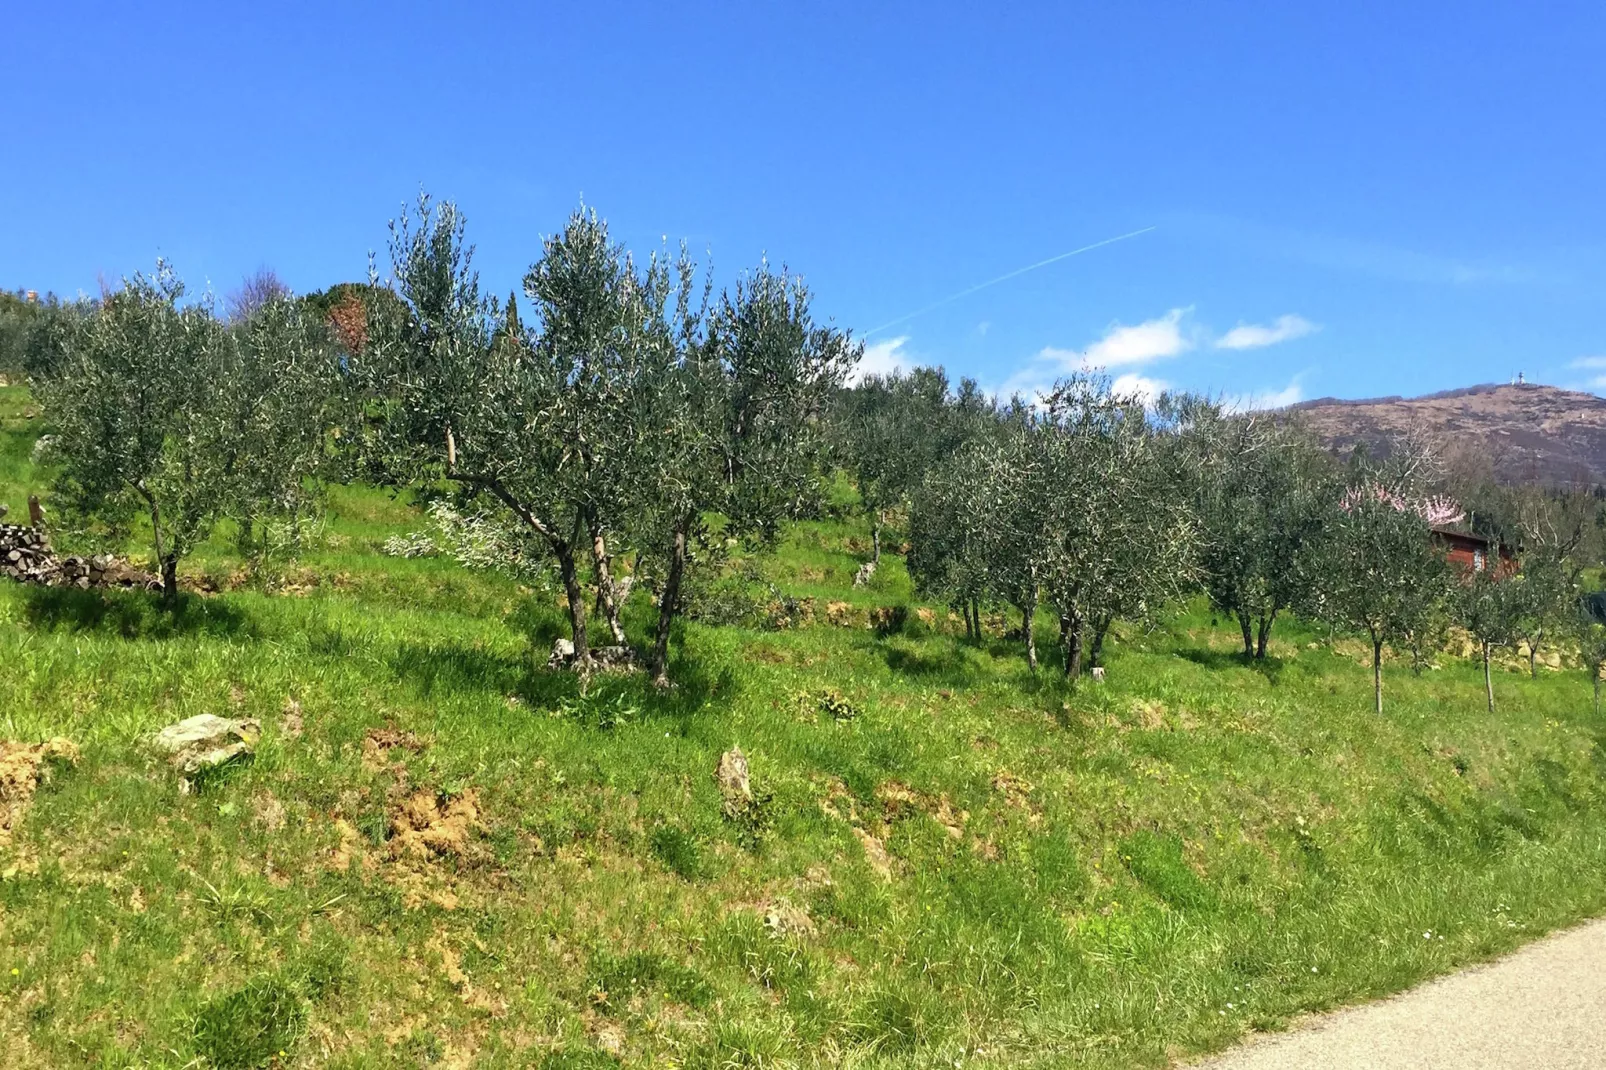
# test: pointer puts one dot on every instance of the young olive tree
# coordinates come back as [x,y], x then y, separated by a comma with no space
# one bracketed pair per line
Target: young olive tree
[162,411]
[1263,491]
[1380,571]
[891,430]
[1542,601]
[1489,605]
[1589,630]
[733,420]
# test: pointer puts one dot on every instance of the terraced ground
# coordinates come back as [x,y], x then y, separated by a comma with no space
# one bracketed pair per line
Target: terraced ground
[445,855]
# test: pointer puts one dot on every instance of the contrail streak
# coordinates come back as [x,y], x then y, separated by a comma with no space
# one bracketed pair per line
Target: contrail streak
[1004,278]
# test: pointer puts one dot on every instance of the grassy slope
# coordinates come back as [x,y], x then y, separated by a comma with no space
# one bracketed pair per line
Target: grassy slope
[1134,871]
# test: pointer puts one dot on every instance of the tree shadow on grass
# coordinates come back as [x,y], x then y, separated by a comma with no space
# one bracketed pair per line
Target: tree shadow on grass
[441,669]
[1270,666]
[133,614]
[949,664]
[446,668]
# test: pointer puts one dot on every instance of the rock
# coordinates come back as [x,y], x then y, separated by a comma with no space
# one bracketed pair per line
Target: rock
[598,658]
[610,659]
[863,576]
[207,741]
[735,782]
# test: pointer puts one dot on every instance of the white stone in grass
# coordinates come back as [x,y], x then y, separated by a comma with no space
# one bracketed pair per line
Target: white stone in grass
[207,741]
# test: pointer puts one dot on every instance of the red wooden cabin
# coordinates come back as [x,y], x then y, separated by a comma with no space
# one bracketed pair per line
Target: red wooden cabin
[1475,552]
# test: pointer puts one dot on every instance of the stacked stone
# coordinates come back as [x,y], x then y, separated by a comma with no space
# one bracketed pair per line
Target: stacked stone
[26,556]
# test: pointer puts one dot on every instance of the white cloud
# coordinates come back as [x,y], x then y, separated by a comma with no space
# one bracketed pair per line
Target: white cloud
[1265,399]
[1121,345]
[1145,388]
[882,358]
[1588,362]
[1255,335]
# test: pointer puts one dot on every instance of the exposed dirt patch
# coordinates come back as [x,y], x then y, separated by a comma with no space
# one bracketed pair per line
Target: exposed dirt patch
[379,742]
[269,811]
[875,852]
[425,825]
[1017,793]
[348,847]
[23,766]
[841,614]
[899,800]
[784,918]
[292,722]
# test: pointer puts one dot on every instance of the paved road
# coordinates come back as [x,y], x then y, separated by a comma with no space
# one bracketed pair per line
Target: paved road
[1544,1006]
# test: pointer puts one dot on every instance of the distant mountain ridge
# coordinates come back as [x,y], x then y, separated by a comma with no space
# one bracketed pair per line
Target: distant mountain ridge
[1526,432]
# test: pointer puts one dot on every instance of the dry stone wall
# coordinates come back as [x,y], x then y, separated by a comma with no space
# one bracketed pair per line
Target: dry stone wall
[26,557]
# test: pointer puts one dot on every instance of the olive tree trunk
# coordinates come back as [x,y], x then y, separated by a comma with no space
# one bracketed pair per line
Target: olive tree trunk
[669,605]
[607,600]
[1377,672]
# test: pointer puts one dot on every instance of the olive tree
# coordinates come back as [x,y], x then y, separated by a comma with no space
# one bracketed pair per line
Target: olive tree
[1380,572]
[891,430]
[948,534]
[1263,491]
[732,420]
[162,411]
[1542,601]
[276,444]
[1489,605]
[1589,630]
[1117,536]
[973,521]
[620,413]
[531,419]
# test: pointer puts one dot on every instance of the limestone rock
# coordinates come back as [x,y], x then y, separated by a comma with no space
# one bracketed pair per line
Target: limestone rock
[207,741]
[735,782]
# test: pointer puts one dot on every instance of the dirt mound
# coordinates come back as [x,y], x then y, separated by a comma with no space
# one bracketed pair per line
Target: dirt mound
[22,767]
[427,825]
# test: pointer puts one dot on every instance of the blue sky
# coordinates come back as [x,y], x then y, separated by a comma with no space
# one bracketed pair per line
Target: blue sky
[1354,200]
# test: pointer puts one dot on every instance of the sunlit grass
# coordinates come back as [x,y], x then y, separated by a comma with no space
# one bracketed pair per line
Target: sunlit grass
[957,861]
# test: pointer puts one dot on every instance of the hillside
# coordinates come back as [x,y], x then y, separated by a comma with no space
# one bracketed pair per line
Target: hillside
[1528,433]
[446,855]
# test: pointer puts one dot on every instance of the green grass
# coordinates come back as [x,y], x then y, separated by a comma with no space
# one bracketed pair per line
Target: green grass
[1109,876]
